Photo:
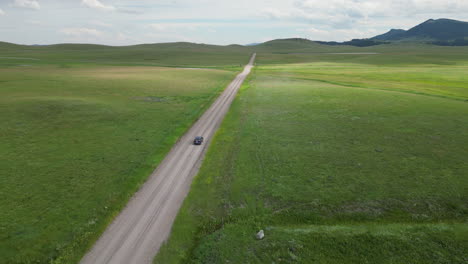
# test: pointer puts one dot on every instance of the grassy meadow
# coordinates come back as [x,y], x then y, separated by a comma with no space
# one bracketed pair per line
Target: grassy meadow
[339,158]
[179,54]
[77,137]
[293,51]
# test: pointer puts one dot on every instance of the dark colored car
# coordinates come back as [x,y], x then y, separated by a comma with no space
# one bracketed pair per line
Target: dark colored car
[198,141]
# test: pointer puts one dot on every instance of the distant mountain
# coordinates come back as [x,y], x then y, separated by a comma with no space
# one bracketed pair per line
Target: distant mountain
[252,44]
[7,44]
[354,42]
[440,30]
[294,42]
[391,35]
[445,32]
[290,44]
[86,46]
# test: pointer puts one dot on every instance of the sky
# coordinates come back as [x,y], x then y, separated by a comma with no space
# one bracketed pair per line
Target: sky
[127,22]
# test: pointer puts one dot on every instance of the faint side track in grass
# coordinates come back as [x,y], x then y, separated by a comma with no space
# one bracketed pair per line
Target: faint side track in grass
[376,88]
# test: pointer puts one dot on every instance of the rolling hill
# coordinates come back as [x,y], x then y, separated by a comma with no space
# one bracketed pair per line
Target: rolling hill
[390,35]
[446,32]
[440,30]
[161,54]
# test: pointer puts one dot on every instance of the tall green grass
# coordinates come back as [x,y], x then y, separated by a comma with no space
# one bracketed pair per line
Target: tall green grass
[77,142]
[338,162]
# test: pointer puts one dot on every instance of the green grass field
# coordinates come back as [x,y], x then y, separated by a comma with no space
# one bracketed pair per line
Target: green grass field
[382,55]
[357,158]
[77,141]
[339,159]
[169,54]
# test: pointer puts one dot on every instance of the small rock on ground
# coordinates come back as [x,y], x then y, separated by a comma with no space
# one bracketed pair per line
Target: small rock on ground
[260,235]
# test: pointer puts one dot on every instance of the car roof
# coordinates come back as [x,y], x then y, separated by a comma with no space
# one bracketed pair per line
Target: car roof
[198,137]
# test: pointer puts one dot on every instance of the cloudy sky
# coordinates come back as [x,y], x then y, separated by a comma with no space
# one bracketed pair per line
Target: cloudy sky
[123,22]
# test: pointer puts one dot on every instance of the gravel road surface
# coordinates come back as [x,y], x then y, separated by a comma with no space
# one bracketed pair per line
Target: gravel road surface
[136,234]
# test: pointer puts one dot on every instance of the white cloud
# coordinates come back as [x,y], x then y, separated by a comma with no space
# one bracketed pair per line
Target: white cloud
[214,21]
[96,4]
[169,37]
[437,6]
[276,13]
[122,37]
[314,31]
[347,19]
[171,27]
[335,34]
[1,12]
[101,24]
[33,22]
[367,8]
[31,4]
[126,37]
[81,32]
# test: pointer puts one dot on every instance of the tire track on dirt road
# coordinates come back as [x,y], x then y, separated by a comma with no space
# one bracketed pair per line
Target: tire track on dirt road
[137,233]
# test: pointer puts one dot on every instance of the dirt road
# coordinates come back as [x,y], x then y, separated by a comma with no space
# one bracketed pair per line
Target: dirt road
[139,230]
